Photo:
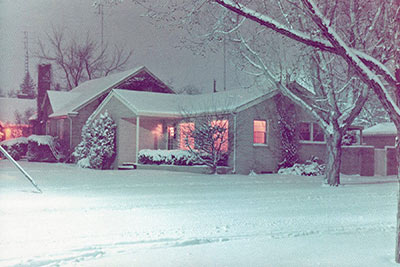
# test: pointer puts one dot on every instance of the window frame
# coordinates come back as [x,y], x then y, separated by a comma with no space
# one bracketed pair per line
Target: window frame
[266,132]
[224,122]
[182,144]
[311,137]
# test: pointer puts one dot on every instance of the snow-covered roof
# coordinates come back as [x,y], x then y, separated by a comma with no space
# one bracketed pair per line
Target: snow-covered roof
[382,129]
[9,106]
[171,105]
[66,102]
[61,102]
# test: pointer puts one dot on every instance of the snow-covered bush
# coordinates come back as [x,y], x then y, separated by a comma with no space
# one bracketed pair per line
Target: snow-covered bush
[97,148]
[310,168]
[171,157]
[42,148]
[350,138]
[17,147]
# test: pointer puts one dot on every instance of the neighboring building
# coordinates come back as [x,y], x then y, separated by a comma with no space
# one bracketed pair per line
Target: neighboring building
[14,115]
[380,135]
[383,138]
[149,115]
[65,113]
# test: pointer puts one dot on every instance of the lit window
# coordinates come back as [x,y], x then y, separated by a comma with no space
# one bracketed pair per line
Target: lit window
[185,135]
[260,132]
[158,130]
[171,131]
[171,137]
[8,133]
[221,135]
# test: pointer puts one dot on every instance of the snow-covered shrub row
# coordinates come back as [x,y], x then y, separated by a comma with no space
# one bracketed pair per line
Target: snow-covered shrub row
[42,148]
[308,169]
[17,147]
[171,157]
[97,148]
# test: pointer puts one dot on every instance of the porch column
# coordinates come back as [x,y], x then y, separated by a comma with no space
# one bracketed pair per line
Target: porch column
[137,138]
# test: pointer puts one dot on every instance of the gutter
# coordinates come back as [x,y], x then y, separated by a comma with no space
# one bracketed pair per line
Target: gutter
[234,141]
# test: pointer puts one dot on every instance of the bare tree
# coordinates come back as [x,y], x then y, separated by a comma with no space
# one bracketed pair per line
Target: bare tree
[207,139]
[23,118]
[373,71]
[375,59]
[81,60]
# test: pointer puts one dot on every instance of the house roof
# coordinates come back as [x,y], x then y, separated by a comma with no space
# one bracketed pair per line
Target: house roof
[382,129]
[66,102]
[171,105]
[9,106]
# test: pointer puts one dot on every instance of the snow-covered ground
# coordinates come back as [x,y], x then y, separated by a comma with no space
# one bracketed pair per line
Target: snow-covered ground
[159,218]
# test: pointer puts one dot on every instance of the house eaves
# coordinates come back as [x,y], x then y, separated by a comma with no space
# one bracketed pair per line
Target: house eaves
[180,106]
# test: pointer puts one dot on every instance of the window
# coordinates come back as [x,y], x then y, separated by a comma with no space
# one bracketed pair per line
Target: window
[185,130]
[222,134]
[318,134]
[260,132]
[171,137]
[310,132]
[305,131]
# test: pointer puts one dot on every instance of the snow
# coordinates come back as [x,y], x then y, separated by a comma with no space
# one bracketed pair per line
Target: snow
[11,142]
[61,101]
[155,104]
[167,156]
[386,128]
[309,169]
[85,92]
[159,218]
[42,139]
[9,106]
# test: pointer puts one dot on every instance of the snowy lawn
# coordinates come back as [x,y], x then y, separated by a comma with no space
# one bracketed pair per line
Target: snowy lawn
[159,218]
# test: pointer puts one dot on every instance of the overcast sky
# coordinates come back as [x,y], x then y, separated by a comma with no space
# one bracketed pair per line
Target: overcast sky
[153,47]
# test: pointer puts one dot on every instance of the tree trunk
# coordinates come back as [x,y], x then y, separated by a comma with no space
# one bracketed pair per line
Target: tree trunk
[397,256]
[397,123]
[334,158]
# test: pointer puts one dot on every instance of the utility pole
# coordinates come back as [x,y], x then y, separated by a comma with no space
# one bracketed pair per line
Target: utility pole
[224,63]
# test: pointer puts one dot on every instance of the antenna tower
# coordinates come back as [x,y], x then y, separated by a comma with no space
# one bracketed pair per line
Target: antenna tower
[101,13]
[26,52]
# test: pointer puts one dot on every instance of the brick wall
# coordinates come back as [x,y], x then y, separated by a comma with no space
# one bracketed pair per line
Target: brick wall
[257,157]
[379,141]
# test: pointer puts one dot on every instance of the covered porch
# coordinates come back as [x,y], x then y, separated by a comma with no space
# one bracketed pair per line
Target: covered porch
[145,132]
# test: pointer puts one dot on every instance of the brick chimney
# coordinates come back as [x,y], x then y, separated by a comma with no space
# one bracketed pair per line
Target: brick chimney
[44,83]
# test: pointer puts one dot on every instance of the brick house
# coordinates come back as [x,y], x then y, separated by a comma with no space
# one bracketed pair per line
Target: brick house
[65,113]
[138,98]
[383,138]
[158,121]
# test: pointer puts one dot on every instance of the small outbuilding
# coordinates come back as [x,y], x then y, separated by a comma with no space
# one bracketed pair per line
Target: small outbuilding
[383,138]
